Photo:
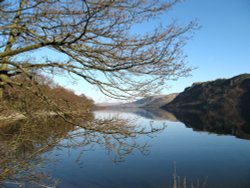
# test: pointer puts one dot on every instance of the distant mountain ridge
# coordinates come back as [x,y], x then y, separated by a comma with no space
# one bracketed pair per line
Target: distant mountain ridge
[155,101]
[220,94]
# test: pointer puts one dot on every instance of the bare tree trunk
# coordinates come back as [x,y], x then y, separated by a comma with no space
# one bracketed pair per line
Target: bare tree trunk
[3,79]
[1,93]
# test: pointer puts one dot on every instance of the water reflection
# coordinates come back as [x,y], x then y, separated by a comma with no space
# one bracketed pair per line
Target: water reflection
[216,121]
[219,121]
[23,143]
[149,113]
[90,153]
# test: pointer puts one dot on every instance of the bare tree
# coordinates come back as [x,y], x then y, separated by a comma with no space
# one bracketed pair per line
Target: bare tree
[96,40]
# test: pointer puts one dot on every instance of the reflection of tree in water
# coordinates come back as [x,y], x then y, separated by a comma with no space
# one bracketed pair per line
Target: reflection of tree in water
[117,136]
[23,142]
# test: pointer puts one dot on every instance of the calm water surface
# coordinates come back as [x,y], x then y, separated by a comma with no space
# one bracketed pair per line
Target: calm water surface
[149,160]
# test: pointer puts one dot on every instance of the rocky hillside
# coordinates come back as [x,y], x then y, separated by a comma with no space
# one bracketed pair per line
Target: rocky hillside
[221,94]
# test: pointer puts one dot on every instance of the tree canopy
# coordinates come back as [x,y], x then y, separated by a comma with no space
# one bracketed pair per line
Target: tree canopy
[96,37]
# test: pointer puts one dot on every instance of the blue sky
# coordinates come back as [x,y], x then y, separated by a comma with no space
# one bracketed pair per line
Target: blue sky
[219,49]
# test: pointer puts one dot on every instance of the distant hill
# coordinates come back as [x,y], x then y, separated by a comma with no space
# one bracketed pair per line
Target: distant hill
[155,101]
[150,102]
[219,95]
[147,102]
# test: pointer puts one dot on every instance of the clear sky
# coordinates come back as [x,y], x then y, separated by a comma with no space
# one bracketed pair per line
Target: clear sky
[220,49]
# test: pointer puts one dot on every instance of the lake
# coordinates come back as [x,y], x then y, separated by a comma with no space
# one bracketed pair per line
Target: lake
[156,150]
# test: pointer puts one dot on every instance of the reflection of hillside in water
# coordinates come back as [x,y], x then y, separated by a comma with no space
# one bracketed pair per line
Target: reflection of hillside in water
[219,121]
[149,113]
[216,121]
